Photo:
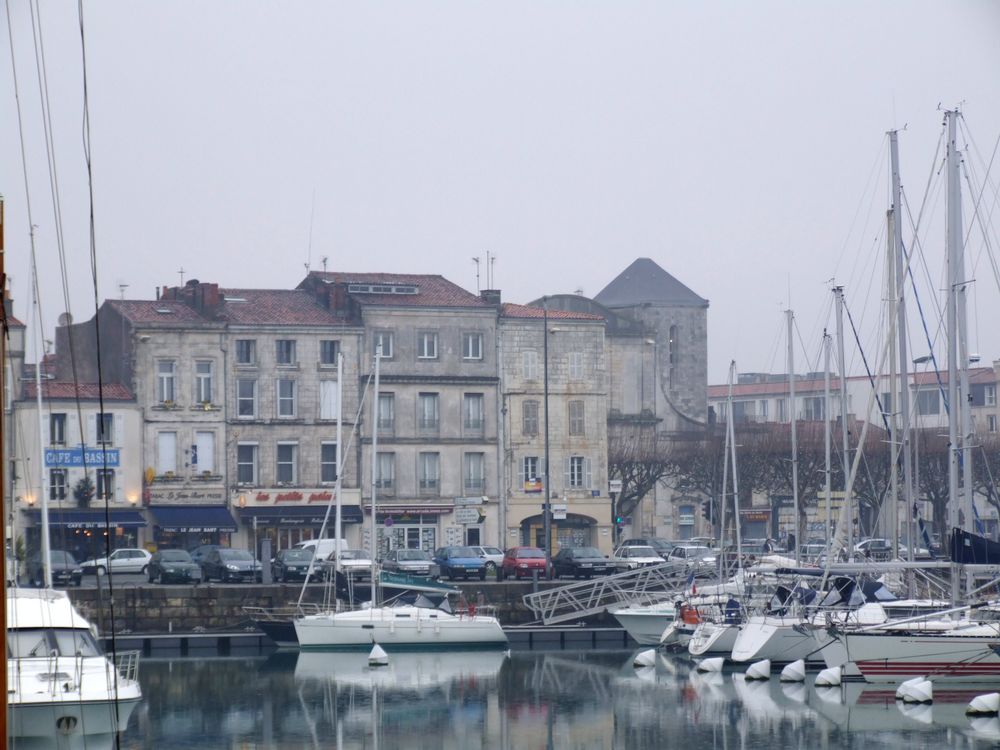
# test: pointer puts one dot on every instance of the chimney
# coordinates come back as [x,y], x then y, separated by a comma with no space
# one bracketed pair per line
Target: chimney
[490,296]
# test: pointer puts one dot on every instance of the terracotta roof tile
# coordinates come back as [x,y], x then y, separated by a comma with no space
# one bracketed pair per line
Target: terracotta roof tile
[432,290]
[511,310]
[275,306]
[167,313]
[57,389]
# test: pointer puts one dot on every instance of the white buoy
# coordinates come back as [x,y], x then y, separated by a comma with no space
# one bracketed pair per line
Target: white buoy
[922,712]
[794,672]
[982,705]
[378,657]
[985,726]
[829,677]
[646,673]
[795,691]
[905,684]
[713,664]
[921,692]
[759,670]
[829,694]
[645,658]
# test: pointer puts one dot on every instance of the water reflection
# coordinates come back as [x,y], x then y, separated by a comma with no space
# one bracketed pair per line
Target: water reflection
[489,700]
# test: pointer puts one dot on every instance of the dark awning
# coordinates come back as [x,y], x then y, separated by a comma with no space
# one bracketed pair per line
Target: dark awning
[196,518]
[297,515]
[91,519]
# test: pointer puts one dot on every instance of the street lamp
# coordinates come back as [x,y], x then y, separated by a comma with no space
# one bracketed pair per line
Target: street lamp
[546,511]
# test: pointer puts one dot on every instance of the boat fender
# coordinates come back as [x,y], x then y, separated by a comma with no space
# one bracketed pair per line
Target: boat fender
[689,615]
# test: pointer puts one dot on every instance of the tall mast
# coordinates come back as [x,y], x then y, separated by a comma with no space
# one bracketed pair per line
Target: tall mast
[338,522]
[905,414]
[954,240]
[725,482]
[887,518]
[795,445]
[838,292]
[828,490]
[736,482]
[378,358]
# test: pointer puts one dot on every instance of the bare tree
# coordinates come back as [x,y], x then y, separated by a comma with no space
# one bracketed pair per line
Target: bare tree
[932,456]
[640,458]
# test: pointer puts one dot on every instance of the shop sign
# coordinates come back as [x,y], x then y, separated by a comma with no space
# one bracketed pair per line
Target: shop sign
[80,456]
[186,496]
[294,496]
[755,515]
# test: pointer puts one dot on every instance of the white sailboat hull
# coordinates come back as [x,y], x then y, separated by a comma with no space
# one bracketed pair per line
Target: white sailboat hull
[413,627]
[782,640]
[645,624]
[713,639]
[963,655]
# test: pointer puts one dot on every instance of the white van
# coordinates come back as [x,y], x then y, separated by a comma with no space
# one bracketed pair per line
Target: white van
[322,548]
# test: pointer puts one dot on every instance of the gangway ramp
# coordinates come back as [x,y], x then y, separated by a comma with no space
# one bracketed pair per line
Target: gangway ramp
[591,597]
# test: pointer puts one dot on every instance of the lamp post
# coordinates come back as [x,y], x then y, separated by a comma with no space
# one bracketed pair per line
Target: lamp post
[546,505]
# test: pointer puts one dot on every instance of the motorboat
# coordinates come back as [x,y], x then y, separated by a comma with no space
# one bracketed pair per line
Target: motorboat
[59,681]
[645,623]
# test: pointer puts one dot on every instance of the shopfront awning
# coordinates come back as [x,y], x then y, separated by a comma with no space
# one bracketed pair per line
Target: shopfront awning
[298,516]
[200,519]
[91,519]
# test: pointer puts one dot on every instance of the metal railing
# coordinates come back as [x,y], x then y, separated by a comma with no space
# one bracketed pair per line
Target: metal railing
[576,600]
[127,664]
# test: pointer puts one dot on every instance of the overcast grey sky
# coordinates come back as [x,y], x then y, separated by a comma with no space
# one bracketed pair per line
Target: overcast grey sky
[741,145]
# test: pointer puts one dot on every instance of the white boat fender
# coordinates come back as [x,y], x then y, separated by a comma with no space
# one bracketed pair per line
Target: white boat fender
[984,705]
[904,686]
[922,692]
[829,677]
[378,657]
[794,672]
[645,658]
[759,670]
[985,726]
[713,664]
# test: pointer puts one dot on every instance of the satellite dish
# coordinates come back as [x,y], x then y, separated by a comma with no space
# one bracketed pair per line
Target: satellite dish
[65,319]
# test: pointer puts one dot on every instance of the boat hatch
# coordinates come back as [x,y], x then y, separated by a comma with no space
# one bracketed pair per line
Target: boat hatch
[53,676]
[406,617]
[368,627]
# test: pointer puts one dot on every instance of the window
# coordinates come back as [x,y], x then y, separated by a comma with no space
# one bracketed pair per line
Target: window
[428,416]
[782,410]
[578,472]
[246,351]
[472,346]
[105,484]
[287,463]
[472,471]
[427,345]
[284,352]
[386,411]
[928,402]
[991,422]
[576,418]
[990,395]
[106,429]
[762,404]
[57,429]
[328,463]
[246,463]
[385,470]
[576,365]
[166,453]
[203,382]
[383,339]
[529,418]
[57,484]
[329,406]
[472,411]
[329,349]
[165,381]
[428,471]
[529,365]
[286,398]
[530,473]
[246,398]
[813,408]
[203,456]
[886,399]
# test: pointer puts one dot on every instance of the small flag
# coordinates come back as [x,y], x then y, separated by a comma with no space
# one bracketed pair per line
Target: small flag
[690,583]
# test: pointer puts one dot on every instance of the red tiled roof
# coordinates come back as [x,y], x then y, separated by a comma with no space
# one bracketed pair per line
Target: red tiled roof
[432,290]
[511,310]
[13,322]
[157,312]
[275,306]
[55,389]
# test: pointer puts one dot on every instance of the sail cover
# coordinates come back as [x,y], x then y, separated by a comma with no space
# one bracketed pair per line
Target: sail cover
[972,549]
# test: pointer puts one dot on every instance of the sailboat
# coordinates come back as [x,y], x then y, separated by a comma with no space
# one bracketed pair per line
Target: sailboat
[407,625]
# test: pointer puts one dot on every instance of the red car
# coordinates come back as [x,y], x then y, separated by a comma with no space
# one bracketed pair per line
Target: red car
[521,561]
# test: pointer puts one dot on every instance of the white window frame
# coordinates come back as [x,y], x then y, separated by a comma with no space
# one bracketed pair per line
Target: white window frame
[529,364]
[286,403]
[472,347]
[327,447]
[241,399]
[578,473]
[473,412]
[254,463]
[166,381]
[204,441]
[427,345]
[429,472]
[104,487]
[385,471]
[324,346]
[383,337]
[203,381]
[535,463]
[990,395]
[328,406]
[428,422]
[250,347]
[284,353]
[575,365]
[386,411]
[166,452]
[104,428]
[58,484]
[57,428]
[474,472]
[291,461]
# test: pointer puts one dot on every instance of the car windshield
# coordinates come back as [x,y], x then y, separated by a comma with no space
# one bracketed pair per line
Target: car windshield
[640,552]
[463,552]
[60,556]
[530,553]
[175,555]
[234,554]
[412,554]
[298,555]
[351,554]
[587,552]
[492,551]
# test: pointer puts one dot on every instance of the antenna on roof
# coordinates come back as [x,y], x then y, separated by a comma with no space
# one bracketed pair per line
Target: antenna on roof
[122,286]
[181,272]
[492,262]
[475,260]
[309,248]
[323,261]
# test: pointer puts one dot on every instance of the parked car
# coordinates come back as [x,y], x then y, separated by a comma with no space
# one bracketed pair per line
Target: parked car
[415,562]
[523,561]
[460,561]
[65,569]
[662,546]
[580,561]
[633,556]
[812,552]
[291,564]
[230,565]
[492,555]
[173,565]
[693,554]
[876,549]
[198,553]
[125,560]
[353,562]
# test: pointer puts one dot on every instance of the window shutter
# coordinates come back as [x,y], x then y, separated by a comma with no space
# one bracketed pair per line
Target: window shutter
[91,429]
[206,451]
[119,436]
[522,473]
[119,490]
[566,468]
[587,476]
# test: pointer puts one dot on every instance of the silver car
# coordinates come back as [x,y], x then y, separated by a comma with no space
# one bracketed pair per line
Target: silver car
[415,562]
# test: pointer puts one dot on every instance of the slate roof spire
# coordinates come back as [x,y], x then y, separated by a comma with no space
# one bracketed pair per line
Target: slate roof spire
[645,282]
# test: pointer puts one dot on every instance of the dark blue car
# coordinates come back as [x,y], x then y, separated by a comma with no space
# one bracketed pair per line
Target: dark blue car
[460,561]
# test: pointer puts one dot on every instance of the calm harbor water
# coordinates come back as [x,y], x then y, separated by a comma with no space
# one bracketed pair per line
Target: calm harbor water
[561,699]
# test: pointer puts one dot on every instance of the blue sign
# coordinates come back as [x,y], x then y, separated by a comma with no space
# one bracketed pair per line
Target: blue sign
[74,457]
